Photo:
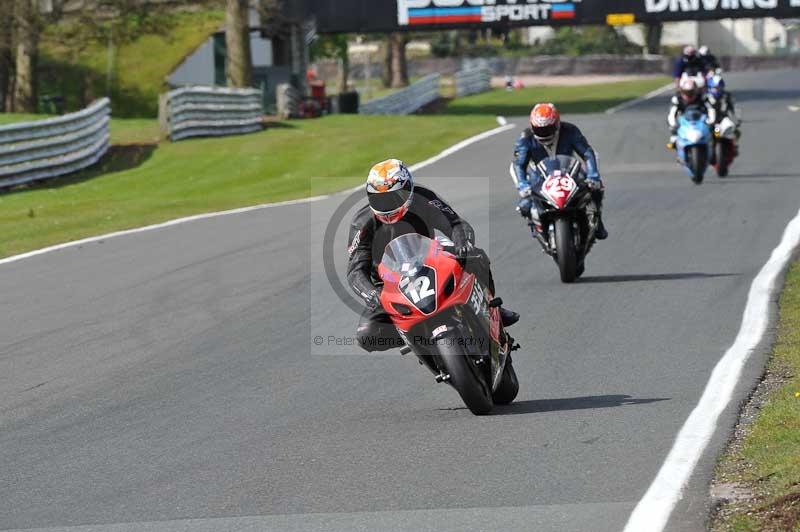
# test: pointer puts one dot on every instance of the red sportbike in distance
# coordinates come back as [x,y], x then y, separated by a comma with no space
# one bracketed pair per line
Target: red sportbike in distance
[448,320]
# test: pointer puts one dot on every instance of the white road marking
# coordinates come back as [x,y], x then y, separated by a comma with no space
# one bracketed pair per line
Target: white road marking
[449,151]
[794,108]
[460,146]
[653,510]
[502,120]
[649,96]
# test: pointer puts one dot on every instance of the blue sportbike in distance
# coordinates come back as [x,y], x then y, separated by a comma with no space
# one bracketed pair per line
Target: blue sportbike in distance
[694,143]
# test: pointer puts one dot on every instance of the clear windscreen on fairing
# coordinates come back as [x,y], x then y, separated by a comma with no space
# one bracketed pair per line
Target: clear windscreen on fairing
[406,254]
[565,164]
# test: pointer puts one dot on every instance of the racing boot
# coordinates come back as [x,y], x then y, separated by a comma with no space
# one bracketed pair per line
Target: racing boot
[601,233]
[508,317]
[672,140]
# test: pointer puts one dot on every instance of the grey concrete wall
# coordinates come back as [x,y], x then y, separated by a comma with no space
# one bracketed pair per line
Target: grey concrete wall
[560,65]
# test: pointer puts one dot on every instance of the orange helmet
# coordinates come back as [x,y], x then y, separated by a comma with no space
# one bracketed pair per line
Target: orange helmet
[390,189]
[545,122]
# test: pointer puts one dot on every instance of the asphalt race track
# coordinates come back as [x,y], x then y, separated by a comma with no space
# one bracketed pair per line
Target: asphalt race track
[168,380]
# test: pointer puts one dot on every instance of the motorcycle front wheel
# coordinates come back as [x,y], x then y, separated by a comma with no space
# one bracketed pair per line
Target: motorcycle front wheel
[508,388]
[696,158]
[464,376]
[566,254]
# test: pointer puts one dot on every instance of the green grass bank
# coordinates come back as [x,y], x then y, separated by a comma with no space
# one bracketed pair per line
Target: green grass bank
[576,99]
[142,181]
[764,465]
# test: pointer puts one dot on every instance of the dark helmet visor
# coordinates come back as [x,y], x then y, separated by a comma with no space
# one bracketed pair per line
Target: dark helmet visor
[386,202]
[545,132]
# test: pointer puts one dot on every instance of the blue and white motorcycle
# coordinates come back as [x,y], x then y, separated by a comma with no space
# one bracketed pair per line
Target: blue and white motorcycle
[694,143]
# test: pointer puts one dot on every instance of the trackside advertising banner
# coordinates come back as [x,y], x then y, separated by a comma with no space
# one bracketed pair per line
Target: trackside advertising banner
[334,16]
[450,12]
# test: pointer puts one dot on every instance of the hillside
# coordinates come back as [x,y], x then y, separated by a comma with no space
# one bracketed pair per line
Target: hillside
[139,67]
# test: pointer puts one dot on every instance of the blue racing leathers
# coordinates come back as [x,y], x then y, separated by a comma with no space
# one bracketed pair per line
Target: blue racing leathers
[529,151]
[569,141]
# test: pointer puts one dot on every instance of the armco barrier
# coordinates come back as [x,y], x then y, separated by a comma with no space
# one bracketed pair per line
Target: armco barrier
[209,111]
[473,81]
[30,151]
[407,100]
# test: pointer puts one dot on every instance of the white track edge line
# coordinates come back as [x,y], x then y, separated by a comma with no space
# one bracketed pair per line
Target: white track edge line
[636,101]
[445,153]
[654,509]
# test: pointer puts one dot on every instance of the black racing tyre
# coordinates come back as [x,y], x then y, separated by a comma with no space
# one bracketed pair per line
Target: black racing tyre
[566,254]
[696,158]
[464,377]
[508,388]
[722,159]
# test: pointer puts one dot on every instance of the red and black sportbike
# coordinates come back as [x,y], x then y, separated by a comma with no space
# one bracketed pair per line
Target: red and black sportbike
[449,320]
[565,216]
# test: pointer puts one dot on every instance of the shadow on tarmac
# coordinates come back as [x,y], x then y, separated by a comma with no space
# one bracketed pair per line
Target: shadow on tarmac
[535,406]
[651,277]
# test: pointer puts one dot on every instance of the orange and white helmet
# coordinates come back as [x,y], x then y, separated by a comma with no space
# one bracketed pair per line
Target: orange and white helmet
[545,123]
[390,189]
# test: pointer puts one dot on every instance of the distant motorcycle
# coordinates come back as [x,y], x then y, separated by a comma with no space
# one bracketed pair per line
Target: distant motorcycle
[724,146]
[449,320]
[694,143]
[565,217]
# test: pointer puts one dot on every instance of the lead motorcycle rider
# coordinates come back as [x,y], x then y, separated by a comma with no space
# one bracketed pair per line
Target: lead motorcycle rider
[547,137]
[397,207]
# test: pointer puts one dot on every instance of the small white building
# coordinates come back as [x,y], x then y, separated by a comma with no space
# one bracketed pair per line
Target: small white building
[744,36]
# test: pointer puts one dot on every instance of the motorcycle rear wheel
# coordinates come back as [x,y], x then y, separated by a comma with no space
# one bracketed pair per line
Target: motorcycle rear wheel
[508,388]
[566,254]
[722,159]
[474,391]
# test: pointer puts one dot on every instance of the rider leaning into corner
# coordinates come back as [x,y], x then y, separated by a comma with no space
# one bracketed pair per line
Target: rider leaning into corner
[547,137]
[397,207]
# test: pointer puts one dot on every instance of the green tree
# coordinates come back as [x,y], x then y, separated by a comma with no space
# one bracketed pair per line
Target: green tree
[239,64]
[334,47]
[587,40]
[398,42]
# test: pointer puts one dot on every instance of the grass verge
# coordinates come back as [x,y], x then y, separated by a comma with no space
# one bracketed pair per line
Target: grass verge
[141,182]
[761,467]
[573,99]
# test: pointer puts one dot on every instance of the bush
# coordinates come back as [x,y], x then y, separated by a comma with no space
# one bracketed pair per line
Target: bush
[587,40]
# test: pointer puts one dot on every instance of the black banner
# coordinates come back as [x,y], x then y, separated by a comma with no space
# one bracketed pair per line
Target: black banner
[363,16]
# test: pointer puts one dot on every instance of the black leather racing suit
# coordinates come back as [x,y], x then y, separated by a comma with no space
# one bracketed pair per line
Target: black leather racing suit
[367,241]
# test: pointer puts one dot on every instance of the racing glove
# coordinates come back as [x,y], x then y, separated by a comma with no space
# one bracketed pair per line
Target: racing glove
[463,237]
[373,299]
[594,182]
